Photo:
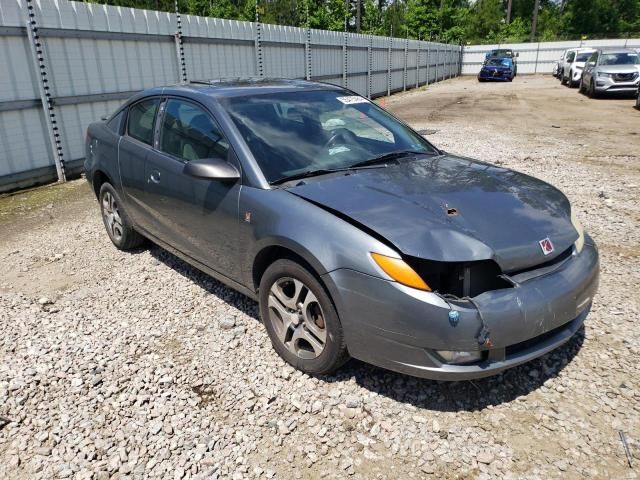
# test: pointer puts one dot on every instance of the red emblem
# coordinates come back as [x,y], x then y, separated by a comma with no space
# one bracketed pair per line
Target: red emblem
[546,246]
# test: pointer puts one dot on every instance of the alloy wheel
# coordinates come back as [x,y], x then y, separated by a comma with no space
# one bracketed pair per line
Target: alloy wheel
[112,219]
[297,318]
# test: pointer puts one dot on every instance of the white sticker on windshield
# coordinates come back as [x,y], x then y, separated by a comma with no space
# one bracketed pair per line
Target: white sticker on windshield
[340,149]
[352,99]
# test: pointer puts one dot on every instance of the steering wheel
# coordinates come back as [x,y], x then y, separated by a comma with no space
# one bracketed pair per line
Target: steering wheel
[338,133]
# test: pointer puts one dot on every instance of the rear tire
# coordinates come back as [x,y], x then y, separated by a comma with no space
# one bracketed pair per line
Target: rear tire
[638,101]
[116,221]
[300,318]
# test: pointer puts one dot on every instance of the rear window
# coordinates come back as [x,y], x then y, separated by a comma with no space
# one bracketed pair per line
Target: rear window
[141,117]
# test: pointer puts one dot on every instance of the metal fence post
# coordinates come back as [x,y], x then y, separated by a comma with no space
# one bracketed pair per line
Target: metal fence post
[48,110]
[182,66]
[344,60]
[437,58]
[369,66]
[428,62]
[307,54]
[535,66]
[418,63]
[389,67]
[258,49]
[406,54]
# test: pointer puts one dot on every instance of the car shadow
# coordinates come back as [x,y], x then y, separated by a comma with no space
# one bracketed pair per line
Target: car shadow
[424,394]
[209,284]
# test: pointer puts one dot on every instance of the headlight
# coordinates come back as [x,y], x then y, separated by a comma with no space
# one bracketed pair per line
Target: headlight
[399,271]
[605,75]
[459,358]
[576,224]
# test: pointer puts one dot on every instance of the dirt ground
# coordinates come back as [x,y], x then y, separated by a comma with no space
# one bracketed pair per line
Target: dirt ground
[557,417]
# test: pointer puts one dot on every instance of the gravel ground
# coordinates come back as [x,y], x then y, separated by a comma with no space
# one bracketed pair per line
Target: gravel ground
[132,365]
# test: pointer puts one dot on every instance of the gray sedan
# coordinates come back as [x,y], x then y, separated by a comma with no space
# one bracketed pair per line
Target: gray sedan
[611,71]
[357,237]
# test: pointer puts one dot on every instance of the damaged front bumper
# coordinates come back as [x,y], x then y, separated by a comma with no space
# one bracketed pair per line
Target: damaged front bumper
[403,329]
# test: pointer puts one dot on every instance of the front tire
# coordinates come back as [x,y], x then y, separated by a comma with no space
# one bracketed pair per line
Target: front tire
[300,318]
[592,90]
[116,221]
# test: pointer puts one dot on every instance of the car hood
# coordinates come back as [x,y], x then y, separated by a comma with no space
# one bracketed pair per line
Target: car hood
[449,208]
[618,68]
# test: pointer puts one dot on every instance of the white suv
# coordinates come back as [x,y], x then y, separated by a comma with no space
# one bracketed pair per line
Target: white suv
[574,64]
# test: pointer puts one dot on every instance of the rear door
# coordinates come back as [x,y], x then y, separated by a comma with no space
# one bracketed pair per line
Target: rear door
[199,217]
[135,145]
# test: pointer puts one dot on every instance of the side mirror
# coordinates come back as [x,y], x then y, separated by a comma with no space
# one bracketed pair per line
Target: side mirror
[517,54]
[212,169]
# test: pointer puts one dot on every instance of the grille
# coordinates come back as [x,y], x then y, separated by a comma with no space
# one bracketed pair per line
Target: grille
[519,347]
[625,77]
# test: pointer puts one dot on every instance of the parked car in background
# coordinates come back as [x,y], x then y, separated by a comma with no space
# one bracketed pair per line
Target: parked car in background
[567,58]
[357,238]
[504,53]
[611,71]
[557,67]
[572,71]
[497,69]
[638,98]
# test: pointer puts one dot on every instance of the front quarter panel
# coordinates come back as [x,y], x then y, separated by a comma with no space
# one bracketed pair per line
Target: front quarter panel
[278,218]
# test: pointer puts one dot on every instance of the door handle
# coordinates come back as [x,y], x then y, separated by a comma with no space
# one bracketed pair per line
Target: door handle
[154,177]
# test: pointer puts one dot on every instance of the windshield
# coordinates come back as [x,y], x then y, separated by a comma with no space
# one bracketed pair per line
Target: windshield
[500,53]
[622,58]
[583,57]
[290,133]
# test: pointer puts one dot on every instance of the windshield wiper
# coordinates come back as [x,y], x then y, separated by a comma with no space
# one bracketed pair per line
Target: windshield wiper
[387,157]
[320,171]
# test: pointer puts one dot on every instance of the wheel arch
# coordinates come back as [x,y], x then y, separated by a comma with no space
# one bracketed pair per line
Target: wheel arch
[268,254]
[100,178]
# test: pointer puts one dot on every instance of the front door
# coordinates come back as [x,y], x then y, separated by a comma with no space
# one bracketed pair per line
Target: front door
[196,216]
[135,145]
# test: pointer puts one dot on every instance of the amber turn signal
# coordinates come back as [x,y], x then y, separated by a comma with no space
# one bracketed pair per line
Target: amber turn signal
[402,273]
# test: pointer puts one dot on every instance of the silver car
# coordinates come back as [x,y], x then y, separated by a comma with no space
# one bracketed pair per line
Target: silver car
[611,70]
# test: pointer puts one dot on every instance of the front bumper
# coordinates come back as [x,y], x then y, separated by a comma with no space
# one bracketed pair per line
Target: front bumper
[400,328]
[606,84]
[497,75]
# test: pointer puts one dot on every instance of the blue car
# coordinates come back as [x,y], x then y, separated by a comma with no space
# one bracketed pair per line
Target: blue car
[497,68]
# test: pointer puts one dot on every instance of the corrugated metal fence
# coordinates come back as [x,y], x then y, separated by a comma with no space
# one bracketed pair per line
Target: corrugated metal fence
[537,57]
[75,62]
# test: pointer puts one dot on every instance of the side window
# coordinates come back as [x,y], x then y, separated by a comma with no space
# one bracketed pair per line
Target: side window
[188,132]
[116,122]
[141,116]
[594,58]
[571,56]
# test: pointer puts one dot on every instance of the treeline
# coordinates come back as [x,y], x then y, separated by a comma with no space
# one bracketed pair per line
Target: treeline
[469,21]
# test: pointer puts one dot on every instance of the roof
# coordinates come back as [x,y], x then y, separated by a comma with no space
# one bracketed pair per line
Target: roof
[249,86]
